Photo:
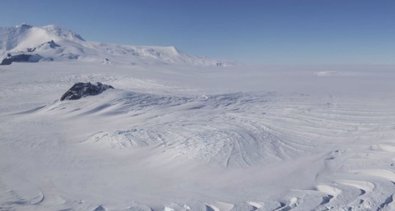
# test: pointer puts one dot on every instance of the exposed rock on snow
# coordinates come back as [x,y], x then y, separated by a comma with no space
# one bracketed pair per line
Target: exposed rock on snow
[80,90]
[21,58]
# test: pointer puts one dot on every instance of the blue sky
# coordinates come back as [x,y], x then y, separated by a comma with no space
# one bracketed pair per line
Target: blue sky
[251,31]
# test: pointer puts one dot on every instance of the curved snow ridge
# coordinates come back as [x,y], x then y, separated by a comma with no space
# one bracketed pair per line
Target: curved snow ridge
[219,206]
[303,201]
[354,195]
[330,193]
[209,128]
[221,142]
[332,73]
[329,123]
[176,207]
[22,196]
[113,102]
[366,187]
[386,147]
[173,206]
[126,139]
[379,173]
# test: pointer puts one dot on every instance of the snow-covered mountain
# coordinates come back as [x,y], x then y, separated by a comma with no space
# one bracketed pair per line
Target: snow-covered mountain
[52,43]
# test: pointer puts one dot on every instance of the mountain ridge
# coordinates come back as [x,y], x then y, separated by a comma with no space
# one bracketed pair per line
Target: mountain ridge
[53,43]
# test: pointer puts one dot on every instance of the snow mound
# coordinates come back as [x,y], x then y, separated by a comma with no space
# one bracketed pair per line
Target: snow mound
[209,128]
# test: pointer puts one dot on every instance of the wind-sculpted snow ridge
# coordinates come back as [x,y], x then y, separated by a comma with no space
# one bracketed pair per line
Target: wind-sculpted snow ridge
[212,128]
[52,43]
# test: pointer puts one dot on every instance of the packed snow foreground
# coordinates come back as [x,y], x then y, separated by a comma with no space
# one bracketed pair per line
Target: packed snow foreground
[189,135]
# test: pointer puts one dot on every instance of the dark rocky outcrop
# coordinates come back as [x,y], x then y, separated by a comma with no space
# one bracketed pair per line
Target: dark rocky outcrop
[50,44]
[79,90]
[53,44]
[20,58]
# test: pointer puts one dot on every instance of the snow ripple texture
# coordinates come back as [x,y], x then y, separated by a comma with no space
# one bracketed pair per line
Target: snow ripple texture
[208,128]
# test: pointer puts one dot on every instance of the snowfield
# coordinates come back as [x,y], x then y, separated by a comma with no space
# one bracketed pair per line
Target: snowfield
[197,138]
[179,133]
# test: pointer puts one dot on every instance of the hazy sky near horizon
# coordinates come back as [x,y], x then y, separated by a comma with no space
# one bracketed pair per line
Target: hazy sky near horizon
[265,31]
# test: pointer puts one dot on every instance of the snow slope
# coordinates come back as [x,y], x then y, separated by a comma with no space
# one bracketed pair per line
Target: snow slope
[177,137]
[55,43]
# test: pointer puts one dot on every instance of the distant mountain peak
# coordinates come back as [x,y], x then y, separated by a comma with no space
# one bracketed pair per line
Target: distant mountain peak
[24,26]
[62,32]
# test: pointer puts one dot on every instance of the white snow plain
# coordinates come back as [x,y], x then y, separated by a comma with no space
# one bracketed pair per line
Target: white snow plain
[185,137]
